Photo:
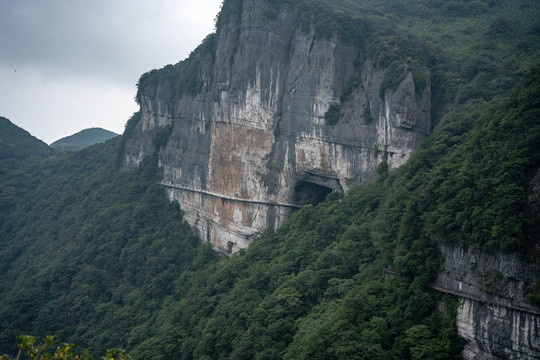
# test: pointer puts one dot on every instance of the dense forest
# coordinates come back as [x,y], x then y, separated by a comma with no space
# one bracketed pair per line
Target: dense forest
[98,256]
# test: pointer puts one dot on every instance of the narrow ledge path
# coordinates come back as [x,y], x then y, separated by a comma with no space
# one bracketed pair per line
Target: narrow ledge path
[529,310]
[231,198]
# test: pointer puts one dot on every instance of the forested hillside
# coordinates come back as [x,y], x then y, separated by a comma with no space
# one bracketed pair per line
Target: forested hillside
[17,148]
[17,144]
[98,256]
[90,253]
[349,278]
[82,139]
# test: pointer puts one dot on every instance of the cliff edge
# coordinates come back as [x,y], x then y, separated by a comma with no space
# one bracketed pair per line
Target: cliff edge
[268,115]
[495,318]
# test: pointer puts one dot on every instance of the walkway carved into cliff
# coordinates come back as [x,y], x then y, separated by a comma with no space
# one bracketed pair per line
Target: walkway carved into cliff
[489,301]
[230,198]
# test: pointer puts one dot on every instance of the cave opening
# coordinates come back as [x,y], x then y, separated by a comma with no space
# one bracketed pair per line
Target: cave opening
[307,192]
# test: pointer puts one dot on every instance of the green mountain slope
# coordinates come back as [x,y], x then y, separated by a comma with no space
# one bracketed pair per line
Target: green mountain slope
[82,139]
[103,260]
[98,256]
[90,253]
[349,278]
[17,148]
[17,143]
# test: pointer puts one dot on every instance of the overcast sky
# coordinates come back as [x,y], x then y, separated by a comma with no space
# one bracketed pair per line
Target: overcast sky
[68,65]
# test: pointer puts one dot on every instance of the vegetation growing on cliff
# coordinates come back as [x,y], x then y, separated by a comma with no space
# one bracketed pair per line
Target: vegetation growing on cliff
[99,257]
[349,277]
[182,78]
[474,50]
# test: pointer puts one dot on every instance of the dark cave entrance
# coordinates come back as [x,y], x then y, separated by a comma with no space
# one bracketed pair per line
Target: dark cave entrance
[307,192]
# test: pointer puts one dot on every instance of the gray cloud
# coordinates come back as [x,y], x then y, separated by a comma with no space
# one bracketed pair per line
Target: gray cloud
[55,49]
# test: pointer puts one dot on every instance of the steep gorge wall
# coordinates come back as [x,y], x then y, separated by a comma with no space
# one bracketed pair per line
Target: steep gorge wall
[494,317]
[253,144]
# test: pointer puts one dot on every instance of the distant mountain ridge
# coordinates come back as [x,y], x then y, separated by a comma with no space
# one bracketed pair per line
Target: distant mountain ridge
[17,143]
[83,139]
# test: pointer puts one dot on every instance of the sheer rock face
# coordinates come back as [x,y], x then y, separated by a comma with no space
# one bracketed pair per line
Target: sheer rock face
[253,145]
[494,318]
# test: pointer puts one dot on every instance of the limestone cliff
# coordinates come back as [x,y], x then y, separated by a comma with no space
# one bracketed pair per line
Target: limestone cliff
[494,318]
[251,143]
[267,115]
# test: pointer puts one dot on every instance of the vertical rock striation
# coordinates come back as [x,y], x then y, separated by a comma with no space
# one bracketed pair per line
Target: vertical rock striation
[252,143]
[494,318]
[267,116]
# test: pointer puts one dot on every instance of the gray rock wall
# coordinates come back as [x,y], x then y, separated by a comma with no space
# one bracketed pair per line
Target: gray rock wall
[255,133]
[240,150]
[495,317]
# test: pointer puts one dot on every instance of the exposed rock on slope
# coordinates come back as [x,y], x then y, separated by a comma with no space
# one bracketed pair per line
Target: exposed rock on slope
[252,143]
[495,317]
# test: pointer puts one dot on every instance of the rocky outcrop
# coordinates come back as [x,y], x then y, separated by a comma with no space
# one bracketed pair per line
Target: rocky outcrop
[494,318]
[254,144]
